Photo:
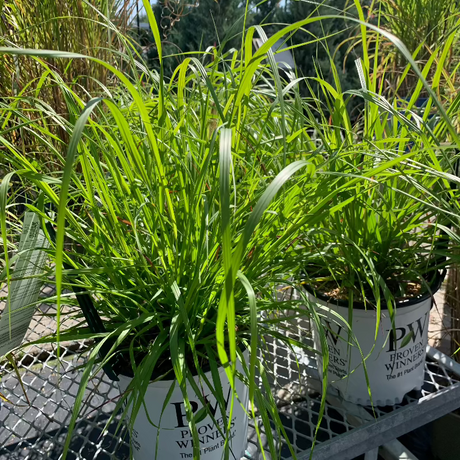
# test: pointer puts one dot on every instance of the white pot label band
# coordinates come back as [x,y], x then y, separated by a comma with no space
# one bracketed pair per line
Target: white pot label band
[395,364]
[175,438]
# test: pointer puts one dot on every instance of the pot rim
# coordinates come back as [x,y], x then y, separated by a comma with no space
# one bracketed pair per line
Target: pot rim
[205,369]
[440,275]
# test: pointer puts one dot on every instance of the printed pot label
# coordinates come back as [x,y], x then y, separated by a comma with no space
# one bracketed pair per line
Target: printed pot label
[175,439]
[396,364]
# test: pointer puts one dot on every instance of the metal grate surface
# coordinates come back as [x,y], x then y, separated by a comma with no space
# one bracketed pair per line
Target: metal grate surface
[297,389]
[33,424]
[36,429]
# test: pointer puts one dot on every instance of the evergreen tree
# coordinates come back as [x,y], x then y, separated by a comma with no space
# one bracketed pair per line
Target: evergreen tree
[316,56]
[210,23]
[267,13]
[214,22]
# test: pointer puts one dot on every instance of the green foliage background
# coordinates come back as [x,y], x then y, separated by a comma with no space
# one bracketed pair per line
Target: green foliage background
[212,22]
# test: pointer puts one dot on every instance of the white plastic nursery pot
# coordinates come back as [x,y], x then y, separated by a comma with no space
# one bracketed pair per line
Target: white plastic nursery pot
[175,440]
[396,364]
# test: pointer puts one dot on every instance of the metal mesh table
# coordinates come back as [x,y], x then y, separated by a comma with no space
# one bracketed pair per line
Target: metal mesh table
[36,428]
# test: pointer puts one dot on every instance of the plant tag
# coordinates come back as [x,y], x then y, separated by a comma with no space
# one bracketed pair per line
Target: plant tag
[24,290]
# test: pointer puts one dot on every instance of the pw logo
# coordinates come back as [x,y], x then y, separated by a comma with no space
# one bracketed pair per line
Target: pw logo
[401,336]
[182,416]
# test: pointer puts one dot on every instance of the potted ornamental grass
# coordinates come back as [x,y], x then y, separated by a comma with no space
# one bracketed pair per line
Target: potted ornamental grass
[146,226]
[378,265]
[165,222]
[379,259]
